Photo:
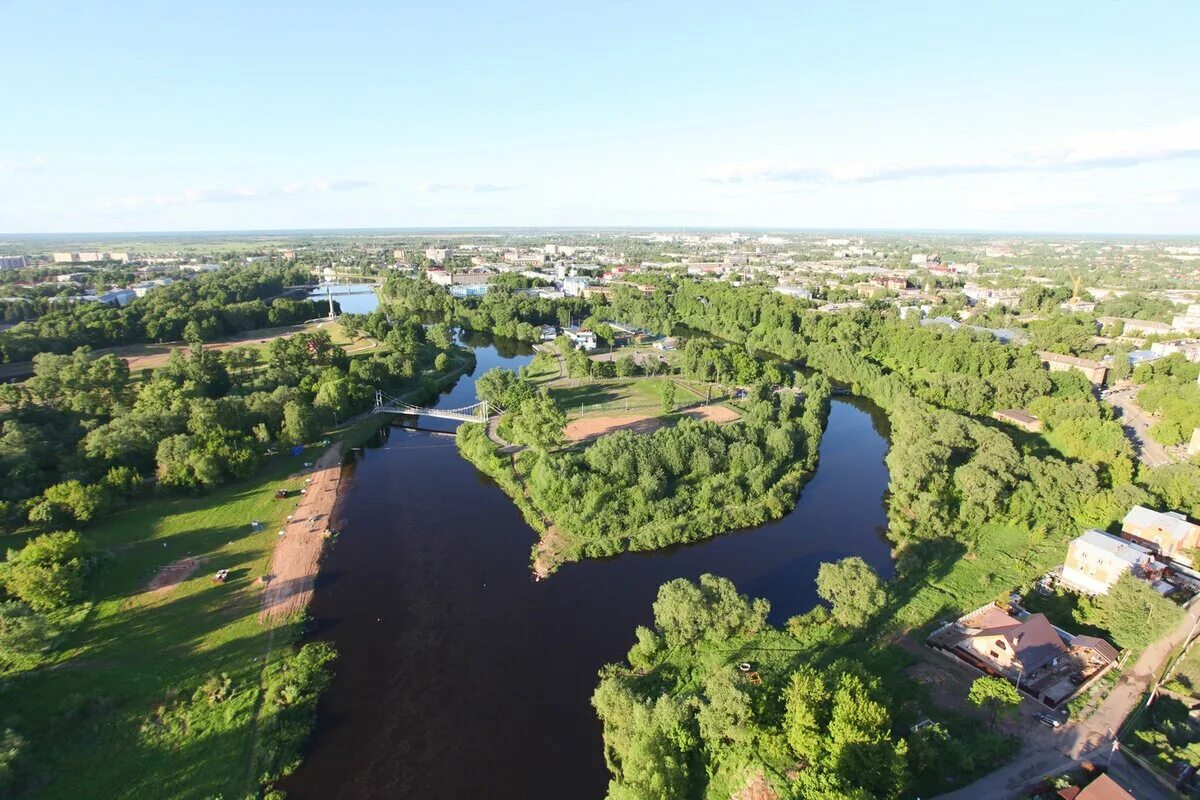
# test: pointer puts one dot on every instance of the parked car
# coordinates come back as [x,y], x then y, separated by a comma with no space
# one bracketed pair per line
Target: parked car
[1048,720]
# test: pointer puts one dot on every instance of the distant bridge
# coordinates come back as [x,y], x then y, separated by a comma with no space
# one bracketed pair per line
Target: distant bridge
[386,404]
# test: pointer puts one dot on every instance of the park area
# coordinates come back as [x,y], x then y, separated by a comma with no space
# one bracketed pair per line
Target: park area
[595,408]
[113,713]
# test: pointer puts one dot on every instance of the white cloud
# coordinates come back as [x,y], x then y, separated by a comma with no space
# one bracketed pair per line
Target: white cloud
[1095,151]
[233,195]
[33,164]
[477,188]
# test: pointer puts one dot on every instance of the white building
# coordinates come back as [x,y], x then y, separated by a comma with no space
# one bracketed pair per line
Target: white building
[438,255]
[12,262]
[1096,560]
[1190,348]
[574,286]
[582,338]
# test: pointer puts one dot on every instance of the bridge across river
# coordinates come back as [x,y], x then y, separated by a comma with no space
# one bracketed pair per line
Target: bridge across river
[477,412]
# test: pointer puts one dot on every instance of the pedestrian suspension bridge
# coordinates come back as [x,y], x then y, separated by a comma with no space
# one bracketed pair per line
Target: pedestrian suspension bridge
[386,404]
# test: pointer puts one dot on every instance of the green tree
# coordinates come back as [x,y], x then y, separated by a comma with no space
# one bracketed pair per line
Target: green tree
[996,696]
[668,397]
[24,634]
[626,367]
[1131,611]
[440,336]
[853,589]
[300,424]
[47,573]
[538,422]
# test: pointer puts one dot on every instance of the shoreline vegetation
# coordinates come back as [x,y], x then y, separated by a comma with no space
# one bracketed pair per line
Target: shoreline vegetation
[686,481]
[141,654]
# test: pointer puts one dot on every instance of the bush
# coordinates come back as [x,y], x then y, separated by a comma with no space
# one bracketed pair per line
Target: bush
[47,573]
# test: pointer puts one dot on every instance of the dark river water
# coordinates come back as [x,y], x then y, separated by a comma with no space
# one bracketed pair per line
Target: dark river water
[462,677]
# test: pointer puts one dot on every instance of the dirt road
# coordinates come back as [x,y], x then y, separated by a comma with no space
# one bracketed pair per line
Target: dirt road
[298,552]
[1053,751]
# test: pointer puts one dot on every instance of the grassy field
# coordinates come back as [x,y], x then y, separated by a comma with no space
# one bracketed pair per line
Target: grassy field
[83,713]
[620,394]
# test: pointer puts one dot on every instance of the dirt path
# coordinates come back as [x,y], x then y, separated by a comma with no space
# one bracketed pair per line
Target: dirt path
[172,575]
[295,562]
[585,428]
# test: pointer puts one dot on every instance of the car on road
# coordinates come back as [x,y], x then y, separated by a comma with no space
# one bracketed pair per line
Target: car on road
[1048,720]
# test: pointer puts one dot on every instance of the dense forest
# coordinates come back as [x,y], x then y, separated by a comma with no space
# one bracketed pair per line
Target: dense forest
[206,308]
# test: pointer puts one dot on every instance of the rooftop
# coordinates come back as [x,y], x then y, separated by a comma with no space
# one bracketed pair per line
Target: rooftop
[1034,641]
[1172,522]
[1125,550]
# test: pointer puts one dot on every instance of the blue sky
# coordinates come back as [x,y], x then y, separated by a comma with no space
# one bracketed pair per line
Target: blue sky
[221,115]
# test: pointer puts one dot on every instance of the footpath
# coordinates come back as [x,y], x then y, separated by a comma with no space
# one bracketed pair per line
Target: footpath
[297,555]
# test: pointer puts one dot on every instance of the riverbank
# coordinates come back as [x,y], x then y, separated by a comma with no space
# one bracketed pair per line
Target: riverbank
[294,565]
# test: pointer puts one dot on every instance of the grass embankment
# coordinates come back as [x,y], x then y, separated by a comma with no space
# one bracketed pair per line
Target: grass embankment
[89,715]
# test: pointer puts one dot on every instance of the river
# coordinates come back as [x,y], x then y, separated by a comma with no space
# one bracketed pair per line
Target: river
[461,677]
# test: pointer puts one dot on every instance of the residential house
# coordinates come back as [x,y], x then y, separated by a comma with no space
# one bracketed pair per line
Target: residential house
[1020,418]
[1094,371]
[1102,788]
[1167,532]
[1044,662]
[548,333]
[1096,560]
[582,338]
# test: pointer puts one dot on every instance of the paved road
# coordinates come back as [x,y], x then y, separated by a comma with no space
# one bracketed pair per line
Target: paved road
[1052,752]
[1137,427]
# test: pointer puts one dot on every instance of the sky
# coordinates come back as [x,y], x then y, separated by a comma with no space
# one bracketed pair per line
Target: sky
[1006,116]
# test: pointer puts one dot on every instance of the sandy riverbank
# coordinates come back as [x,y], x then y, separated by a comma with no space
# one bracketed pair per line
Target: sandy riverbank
[298,553]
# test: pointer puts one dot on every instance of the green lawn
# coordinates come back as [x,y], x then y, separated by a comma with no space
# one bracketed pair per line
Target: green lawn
[83,713]
[619,394]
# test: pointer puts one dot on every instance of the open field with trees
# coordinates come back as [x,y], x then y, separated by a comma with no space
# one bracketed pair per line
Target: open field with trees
[138,692]
[125,669]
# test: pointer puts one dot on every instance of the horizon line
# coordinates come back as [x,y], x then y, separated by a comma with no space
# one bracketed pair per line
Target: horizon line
[436,229]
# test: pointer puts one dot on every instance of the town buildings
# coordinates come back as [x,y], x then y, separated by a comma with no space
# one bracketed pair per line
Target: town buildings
[1044,662]
[13,262]
[1094,371]
[77,258]
[1020,418]
[1166,532]
[582,338]
[1096,560]
[437,255]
